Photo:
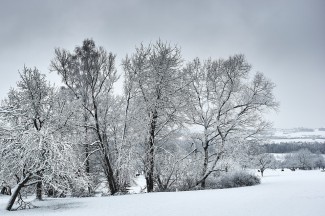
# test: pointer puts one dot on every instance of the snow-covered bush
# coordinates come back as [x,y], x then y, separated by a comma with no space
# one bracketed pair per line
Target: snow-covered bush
[187,184]
[238,179]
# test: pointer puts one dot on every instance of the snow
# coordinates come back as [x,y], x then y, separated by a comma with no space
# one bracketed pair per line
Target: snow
[292,133]
[299,193]
[279,156]
[138,185]
[297,136]
[297,140]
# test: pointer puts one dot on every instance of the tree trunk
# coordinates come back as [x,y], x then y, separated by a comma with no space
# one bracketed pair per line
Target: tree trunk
[206,157]
[150,153]
[106,165]
[150,169]
[205,164]
[211,169]
[86,149]
[86,143]
[110,175]
[39,186]
[39,190]
[87,164]
[16,191]
[104,152]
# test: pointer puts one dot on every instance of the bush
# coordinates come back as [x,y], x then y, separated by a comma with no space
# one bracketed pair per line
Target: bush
[238,179]
[187,184]
[221,180]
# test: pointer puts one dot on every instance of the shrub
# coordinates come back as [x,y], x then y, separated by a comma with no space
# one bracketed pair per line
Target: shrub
[187,184]
[238,179]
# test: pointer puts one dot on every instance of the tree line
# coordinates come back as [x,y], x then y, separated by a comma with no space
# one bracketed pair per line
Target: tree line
[71,138]
[294,146]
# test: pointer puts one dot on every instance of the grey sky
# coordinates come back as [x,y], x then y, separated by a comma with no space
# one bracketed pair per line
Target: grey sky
[283,39]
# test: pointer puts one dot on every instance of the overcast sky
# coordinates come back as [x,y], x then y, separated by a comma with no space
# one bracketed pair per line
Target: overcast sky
[283,39]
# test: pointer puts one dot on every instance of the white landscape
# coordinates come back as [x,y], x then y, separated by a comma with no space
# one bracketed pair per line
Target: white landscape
[297,135]
[299,193]
[162,108]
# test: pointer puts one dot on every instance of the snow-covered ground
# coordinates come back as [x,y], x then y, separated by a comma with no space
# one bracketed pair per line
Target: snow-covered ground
[297,136]
[296,140]
[281,193]
[281,156]
[291,133]
[138,185]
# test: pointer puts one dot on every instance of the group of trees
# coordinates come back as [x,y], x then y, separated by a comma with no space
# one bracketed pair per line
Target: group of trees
[294,146]
[73,137]
[303,159]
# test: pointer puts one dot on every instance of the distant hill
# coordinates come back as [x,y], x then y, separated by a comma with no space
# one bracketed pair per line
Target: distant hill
[297,135]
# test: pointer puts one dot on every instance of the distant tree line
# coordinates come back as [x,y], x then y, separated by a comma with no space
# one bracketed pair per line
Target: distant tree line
[314,147]
[302,129]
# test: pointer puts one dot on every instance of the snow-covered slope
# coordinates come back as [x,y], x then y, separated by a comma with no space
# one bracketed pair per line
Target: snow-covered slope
[297,135]
[300,193]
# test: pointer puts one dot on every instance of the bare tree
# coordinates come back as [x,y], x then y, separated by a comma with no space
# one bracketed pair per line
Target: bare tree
[305,159]
[90,73]
[34,97]
[226,105]
[264,161]
[156,78]
[33,149]
[319,160]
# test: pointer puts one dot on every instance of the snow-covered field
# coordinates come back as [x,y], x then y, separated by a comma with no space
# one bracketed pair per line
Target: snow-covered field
[297,136]
[281,193]
[297,140]
[281,156]
[292,133]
